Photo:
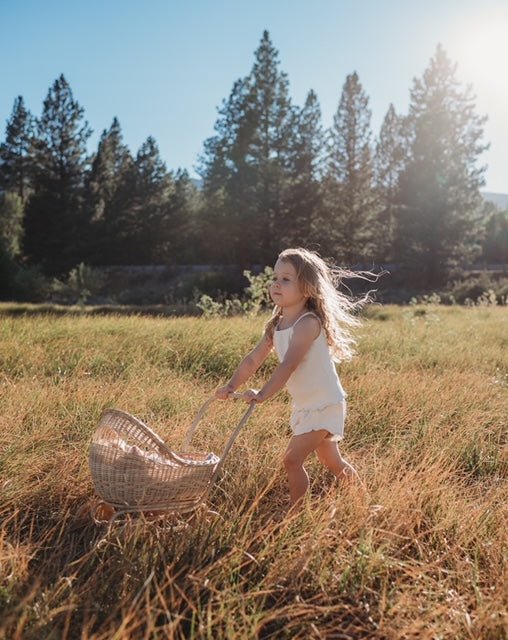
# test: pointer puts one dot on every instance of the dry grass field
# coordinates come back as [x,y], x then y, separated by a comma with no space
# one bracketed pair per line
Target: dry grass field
[427,429]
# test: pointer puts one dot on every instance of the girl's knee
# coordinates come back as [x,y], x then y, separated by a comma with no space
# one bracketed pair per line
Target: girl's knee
[292,460]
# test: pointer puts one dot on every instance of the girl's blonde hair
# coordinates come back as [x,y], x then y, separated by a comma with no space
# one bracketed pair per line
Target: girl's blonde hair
[318,279]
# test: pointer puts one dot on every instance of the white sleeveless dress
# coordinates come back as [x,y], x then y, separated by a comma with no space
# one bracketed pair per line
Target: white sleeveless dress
[318,399]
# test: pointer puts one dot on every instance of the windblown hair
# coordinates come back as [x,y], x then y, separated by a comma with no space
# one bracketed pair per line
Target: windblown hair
[319,280]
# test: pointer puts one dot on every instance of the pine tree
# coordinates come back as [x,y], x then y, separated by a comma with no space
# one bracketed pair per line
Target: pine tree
[178,232]
[245,165]
[137,217]
[391,156]
[117,223]
[270,149]
[350,201]
[55,224]
[439,217]
[109,168]
[304,201]
[228,203]
[15,152]
[495,242]
[102,180]
[11,223]
[154,187]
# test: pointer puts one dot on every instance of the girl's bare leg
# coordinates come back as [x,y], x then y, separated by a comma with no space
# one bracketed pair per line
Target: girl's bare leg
[298,449]
[328,453]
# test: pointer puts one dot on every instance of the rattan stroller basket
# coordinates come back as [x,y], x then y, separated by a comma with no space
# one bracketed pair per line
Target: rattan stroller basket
[133,469]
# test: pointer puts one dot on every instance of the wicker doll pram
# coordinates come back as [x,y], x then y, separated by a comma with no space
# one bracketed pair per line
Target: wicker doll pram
[133,470]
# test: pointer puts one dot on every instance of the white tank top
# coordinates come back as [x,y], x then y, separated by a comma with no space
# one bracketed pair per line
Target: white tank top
[314,384]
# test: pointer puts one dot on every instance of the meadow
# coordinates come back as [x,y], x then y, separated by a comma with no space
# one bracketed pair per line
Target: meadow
[425,555]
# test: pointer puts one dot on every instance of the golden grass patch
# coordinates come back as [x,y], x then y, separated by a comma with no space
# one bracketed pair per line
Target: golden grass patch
[425,556]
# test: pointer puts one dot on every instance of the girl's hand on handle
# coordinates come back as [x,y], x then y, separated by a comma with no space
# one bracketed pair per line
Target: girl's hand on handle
[252,395]
[223,393]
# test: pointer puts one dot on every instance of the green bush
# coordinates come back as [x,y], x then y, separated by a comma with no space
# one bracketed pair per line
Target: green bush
[256,298]
[214,284]
[258,291]
[30,285]
[471,288]
[19,282]
[81,283]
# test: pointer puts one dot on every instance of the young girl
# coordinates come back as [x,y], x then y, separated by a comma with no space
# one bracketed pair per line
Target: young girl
[309,332]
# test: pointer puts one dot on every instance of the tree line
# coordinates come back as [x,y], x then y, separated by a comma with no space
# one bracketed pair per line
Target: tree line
[272,176]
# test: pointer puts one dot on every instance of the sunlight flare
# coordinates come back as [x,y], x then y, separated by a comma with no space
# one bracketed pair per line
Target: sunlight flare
[480,47]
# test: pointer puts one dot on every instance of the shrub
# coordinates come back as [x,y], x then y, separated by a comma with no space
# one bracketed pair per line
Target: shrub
[256,298]
[210,283]
[81,283]
[30,285]
[258,291]
[474,287]
[427,298]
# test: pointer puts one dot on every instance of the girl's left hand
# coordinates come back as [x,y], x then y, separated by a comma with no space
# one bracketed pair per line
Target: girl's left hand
[252,395]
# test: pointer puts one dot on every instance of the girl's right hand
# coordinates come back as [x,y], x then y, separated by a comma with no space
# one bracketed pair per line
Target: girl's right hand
[223,393]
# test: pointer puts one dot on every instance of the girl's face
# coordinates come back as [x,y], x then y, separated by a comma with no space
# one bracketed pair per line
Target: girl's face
[285,289]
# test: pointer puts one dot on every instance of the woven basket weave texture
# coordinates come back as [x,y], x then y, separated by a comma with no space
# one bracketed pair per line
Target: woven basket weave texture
[133,469]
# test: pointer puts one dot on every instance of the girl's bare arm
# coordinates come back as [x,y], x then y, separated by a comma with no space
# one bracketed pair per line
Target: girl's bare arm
[251,363]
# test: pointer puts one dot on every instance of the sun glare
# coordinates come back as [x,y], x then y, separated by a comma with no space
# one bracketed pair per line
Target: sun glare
[480,47]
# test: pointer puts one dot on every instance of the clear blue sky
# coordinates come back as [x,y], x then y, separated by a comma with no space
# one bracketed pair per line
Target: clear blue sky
[164,66]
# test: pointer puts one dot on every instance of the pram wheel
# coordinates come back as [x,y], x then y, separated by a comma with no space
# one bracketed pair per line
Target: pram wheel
[102,511]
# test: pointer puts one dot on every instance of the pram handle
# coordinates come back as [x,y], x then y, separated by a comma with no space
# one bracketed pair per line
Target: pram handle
[233,436]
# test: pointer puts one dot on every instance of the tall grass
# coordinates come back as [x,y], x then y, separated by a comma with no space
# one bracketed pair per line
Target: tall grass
[426,428]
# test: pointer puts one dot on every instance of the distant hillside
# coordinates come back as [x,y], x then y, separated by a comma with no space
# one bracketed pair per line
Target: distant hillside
[499,199]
